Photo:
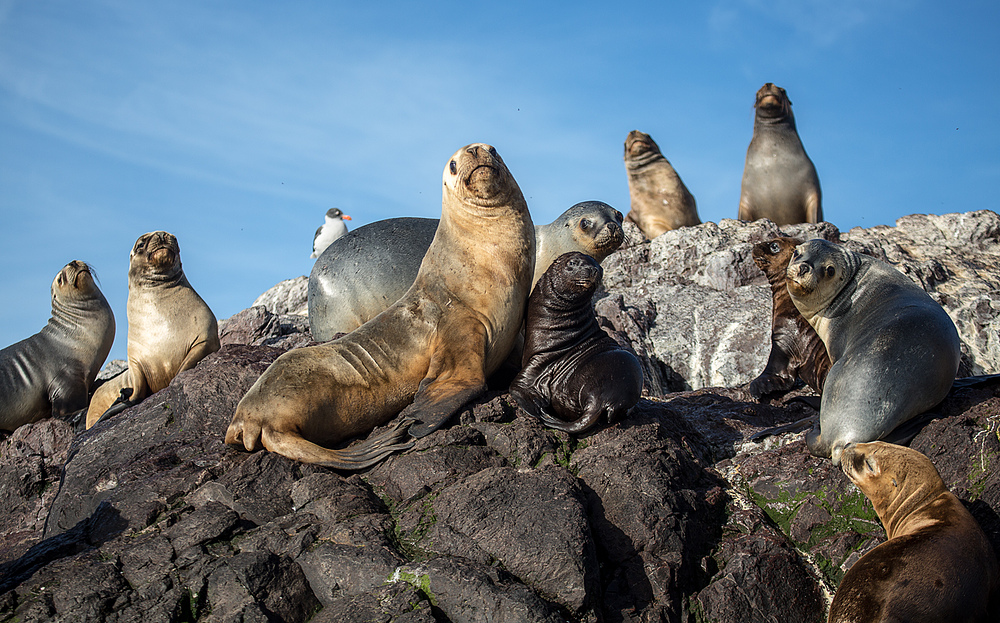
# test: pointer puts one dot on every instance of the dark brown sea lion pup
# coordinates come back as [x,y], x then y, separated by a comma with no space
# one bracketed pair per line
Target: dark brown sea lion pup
[170,327]
[936,566]
[779,179]
[796,350]
[370,268]
[895,351]
[431,350]
[50,373]
[573,372]
[660,200]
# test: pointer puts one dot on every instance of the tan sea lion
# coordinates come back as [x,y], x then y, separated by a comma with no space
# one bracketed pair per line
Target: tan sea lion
[371,267]
[50,373]
[170,328]
[572,371]
[936,566]
[660,200]
[895,351]
[796,350]
[779,179]
[427,354]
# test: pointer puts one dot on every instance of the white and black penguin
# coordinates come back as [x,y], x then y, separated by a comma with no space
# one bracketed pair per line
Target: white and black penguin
[334,227]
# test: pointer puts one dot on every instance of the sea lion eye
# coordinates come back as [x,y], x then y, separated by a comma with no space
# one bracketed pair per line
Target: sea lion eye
[869,465]
[775,248]
[453,167]
[618,215]
[493,152]
[586,224]
[830,271]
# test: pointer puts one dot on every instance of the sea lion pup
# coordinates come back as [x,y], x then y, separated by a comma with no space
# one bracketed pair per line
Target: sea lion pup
[431,350]
[796,350]
[894,350]
[170,328]
[371,267]
[50,373]
[936,566]
[779,179]
[660,200]
[572,371]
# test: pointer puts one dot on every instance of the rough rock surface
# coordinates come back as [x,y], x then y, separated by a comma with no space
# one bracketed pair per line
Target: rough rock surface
[287,298]
[696,309]
[672,514]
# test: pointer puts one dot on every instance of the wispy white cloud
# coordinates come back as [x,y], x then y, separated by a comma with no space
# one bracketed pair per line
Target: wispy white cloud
[821,23]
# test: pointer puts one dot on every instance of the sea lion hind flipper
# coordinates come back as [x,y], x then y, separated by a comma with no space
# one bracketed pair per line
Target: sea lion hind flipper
[529,401]
[362,455]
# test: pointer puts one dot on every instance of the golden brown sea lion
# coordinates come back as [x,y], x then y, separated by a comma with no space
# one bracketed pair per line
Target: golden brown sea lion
[936,566]
[431,350]
[170,328]
[50,373]
[660,200]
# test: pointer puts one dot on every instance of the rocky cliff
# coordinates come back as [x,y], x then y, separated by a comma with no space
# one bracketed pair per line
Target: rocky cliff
[673,514]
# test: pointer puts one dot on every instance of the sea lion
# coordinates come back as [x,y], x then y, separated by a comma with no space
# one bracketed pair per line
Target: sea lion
[572,371]
[371,267]
[660,200]
[936,566]
[333,227]
[170,328]
[779,179]
[894,350]
[796,350]
[428,353]
[50,373]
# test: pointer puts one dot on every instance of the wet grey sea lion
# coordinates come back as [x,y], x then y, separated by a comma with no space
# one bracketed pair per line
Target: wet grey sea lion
[779,179]
[333,227]
[660,200]
[170,327]
[427,354]
[367,270]
[895,351]
[572,371]
[937,564]
[50,373]
[796,350]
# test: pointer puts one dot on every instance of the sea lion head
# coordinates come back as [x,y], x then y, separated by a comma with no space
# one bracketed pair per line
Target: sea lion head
[155,256]
[817,272]
[896,479]
[75,281]
[640,149]
[475,174]
[596,227]
[573,277]
[772,103]
[772,256]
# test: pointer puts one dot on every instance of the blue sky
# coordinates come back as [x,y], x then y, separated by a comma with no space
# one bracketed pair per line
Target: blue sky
[235,125]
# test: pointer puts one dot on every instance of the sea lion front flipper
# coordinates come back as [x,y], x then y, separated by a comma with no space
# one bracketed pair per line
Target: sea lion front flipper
[455,377]
[430,415]
[119,405]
